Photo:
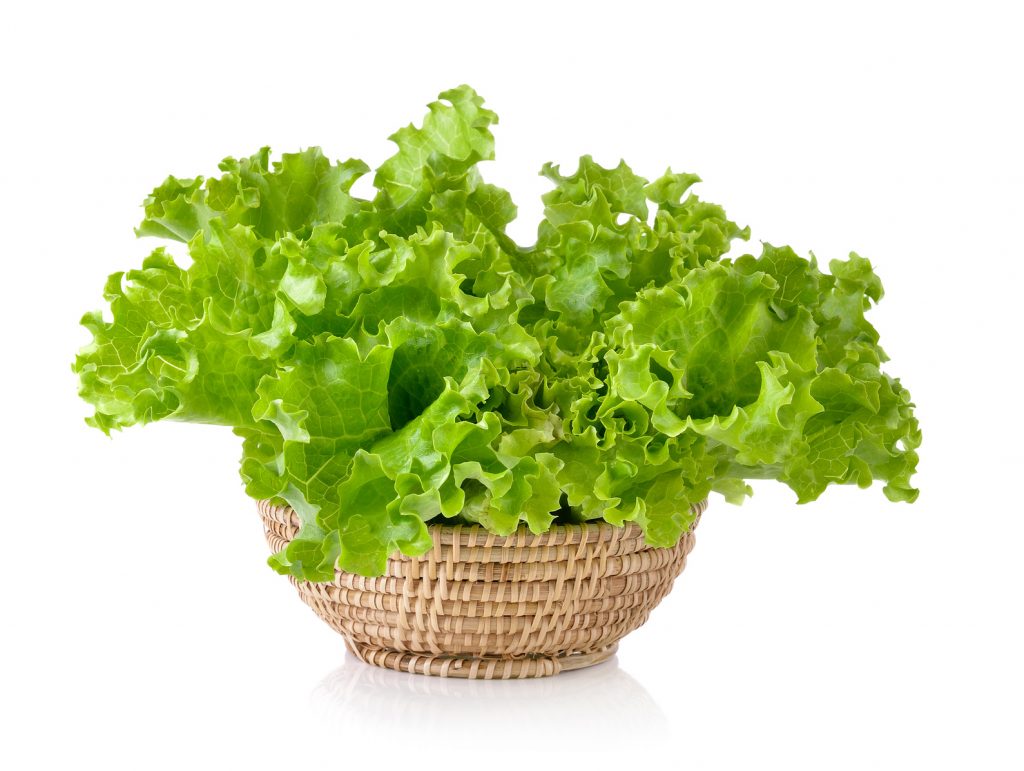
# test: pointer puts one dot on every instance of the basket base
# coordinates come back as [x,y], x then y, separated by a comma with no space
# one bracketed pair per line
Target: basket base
[486,668]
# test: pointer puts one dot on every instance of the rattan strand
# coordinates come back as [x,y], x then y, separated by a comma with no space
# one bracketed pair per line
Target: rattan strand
[479,605]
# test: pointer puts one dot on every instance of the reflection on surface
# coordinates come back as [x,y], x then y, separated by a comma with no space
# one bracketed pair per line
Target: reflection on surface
[359,700]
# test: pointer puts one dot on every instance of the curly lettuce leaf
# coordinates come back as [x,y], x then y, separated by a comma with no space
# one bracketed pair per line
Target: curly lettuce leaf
[288,196]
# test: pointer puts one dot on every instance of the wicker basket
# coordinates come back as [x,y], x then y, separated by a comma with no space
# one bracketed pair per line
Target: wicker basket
[479,605]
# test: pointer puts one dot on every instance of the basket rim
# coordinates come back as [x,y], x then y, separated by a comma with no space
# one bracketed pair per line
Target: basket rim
[477,535]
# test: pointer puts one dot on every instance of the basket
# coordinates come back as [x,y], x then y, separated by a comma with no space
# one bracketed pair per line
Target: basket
[479,605]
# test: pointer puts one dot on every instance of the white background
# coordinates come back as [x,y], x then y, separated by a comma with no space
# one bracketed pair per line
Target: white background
[141,627]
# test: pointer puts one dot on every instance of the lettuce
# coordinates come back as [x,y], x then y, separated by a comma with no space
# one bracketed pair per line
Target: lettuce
[398,361]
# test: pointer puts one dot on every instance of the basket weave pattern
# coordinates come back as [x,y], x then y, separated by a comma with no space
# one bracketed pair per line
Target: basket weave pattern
[479,605]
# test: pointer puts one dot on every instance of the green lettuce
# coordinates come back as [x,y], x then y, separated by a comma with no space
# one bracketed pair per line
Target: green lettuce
[400,361]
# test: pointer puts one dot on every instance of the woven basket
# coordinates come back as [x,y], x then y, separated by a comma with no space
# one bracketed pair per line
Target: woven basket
[479,605]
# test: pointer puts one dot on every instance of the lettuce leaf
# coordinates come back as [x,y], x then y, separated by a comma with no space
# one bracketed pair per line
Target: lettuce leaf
[399,361]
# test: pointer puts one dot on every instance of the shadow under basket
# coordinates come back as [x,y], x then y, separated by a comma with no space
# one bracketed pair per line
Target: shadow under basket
[479,605]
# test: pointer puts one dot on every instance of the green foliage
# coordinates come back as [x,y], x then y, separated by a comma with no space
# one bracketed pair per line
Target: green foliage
[396,361]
